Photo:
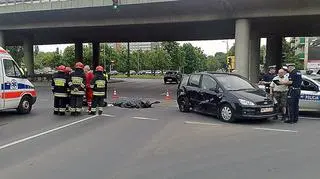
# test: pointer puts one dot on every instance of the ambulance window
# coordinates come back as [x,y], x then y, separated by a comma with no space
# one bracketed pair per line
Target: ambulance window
[11,69]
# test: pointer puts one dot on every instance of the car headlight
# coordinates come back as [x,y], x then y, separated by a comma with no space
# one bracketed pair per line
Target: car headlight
[246,102]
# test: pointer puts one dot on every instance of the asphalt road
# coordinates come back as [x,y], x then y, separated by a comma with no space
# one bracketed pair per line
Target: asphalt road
[157,143]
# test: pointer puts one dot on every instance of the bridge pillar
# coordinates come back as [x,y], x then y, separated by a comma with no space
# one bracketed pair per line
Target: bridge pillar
[2,40]
[95,54]
[28,56]
[274,51]
[242,38]
[78,51]
[254,63]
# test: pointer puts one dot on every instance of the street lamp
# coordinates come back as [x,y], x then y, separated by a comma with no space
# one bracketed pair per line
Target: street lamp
[227,43]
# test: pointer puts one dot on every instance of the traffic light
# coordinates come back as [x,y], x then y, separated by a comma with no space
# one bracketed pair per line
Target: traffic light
[115,4]
[231,63]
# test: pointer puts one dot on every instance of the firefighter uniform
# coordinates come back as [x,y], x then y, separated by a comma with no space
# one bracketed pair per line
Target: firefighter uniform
[68,71]
[98,84]
[77,86]
[59,89]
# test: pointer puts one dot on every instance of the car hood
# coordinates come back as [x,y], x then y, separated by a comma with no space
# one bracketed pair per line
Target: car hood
[252,95]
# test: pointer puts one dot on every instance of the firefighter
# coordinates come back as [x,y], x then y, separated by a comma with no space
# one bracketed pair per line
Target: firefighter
[77,86]
[98,84]
[68,72]
[89,95]
[59,89]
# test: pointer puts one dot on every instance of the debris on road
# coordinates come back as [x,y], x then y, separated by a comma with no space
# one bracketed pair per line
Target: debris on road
[134,103]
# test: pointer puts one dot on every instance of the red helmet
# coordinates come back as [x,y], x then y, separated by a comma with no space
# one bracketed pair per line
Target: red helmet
[99,68]
[67,70]
[61,68]
[79,65]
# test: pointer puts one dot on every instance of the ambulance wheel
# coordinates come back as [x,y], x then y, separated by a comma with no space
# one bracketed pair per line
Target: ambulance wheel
[25,105]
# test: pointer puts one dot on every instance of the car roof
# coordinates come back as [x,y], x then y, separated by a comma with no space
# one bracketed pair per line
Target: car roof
[218,74]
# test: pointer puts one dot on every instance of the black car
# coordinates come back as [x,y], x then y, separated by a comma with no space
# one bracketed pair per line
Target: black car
[228,96]
[172,76]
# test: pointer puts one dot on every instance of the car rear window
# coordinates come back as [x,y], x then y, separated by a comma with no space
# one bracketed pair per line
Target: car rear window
[170,73]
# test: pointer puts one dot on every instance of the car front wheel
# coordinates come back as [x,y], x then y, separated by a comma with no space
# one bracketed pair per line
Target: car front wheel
[226,113]
[184,104]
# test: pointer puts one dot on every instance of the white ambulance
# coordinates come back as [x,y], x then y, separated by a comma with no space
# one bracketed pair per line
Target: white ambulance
[16,91]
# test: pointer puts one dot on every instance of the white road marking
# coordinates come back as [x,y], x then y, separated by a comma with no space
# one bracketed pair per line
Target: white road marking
[277,130]
[201,123]
[108,115]
[145,118]
[304,117]
[49,131]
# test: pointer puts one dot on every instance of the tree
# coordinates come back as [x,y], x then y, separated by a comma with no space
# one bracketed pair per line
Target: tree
[289,55]
[36,50]
[190,58]
[173,49]
[232,50]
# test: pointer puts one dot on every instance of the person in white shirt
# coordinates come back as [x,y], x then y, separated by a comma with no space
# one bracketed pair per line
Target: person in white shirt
[279,92]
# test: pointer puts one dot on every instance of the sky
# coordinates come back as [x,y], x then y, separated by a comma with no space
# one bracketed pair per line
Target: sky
[210,47]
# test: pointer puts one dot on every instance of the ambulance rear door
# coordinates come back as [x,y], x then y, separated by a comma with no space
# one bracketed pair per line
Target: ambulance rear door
[1,84]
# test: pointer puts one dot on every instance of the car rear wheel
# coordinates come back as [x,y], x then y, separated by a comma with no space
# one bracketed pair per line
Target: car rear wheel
[184,104]
[226,113]
[25,105]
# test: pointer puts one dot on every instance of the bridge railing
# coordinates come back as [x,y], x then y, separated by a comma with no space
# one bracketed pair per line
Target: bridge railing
[15,2]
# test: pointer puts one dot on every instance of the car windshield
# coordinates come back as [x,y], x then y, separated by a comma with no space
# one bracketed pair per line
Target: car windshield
[234,83]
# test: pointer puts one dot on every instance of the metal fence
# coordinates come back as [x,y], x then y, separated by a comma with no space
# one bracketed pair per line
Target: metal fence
[14,2]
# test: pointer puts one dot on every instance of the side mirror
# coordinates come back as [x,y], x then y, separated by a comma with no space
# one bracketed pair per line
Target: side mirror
[216,90]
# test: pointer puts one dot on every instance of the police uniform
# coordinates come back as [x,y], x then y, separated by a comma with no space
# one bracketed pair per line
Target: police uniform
[294,95]
[267,78]
[59,89]
[98,84]
[77,86]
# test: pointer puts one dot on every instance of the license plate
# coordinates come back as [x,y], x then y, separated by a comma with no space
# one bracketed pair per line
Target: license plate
[264,110]
[169,79]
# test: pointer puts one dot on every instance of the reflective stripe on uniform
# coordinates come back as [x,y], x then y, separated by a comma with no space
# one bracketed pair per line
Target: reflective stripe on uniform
[76,80]
[101,83]
[78,109]
[77,93]
[70,84]
[62,109]
[63,95]
[100,109]
[59,81]
[95,93]
[56,109]
[93,109]
[72,109]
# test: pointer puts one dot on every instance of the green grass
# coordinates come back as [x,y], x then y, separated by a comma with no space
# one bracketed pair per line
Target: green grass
[138,76]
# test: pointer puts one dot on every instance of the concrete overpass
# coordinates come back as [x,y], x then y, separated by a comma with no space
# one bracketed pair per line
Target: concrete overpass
[79,21]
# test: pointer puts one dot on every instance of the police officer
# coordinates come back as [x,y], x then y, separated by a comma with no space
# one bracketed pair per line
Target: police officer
[77,86]
[59,88]
[294,85]
[267,78]
[98,84]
